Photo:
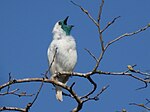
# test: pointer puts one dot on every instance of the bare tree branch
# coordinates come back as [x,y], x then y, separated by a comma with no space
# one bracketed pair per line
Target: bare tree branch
[115,40]
[29,105]
[46,73]
[140,105]
[97,96]
[100,11]
[69,89]
[85,75]
[13,92]
[109,24]
[148,101]
[127,34]
[91,55]
[9,80]
[138,71]
[92,91]
[12,109]
[86,12]
[99,25]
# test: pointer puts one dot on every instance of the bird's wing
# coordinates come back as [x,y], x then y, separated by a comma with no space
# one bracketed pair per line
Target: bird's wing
[51,53]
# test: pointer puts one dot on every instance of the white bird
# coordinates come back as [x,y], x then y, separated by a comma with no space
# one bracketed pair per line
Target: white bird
[62,54]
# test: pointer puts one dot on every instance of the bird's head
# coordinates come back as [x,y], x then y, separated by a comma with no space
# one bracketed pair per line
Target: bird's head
[62,27]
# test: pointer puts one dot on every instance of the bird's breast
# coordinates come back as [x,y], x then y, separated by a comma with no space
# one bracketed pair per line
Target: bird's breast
[66,55]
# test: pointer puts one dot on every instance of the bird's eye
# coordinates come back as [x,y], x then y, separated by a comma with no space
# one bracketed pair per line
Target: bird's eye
[59,23]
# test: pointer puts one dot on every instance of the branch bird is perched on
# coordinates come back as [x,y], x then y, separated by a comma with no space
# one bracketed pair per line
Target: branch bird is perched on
[62,54]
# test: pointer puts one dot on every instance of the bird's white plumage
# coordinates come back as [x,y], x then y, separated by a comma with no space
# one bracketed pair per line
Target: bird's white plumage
[65,58]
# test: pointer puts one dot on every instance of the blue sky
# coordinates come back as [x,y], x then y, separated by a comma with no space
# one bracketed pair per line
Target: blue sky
[25,34]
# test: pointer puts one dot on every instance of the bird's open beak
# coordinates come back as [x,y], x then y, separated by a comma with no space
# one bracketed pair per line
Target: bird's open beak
[65,21]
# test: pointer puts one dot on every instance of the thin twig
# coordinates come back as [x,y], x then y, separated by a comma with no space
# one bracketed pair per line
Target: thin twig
[102,90]
[110,23]
[86,12]
[71,87]
[142,73]
[99,25]
[50,64]
[13,92]
[92,91]
[148,101]
[9,92]
[140,105]
[29,105]
[99,60]
[97,96]
[9,80]
[126,35]
[12,109]
[94,57]
[66,94]
[125,74]
[100,11]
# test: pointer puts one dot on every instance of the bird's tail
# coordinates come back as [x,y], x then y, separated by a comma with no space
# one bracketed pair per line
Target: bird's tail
[59,93]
